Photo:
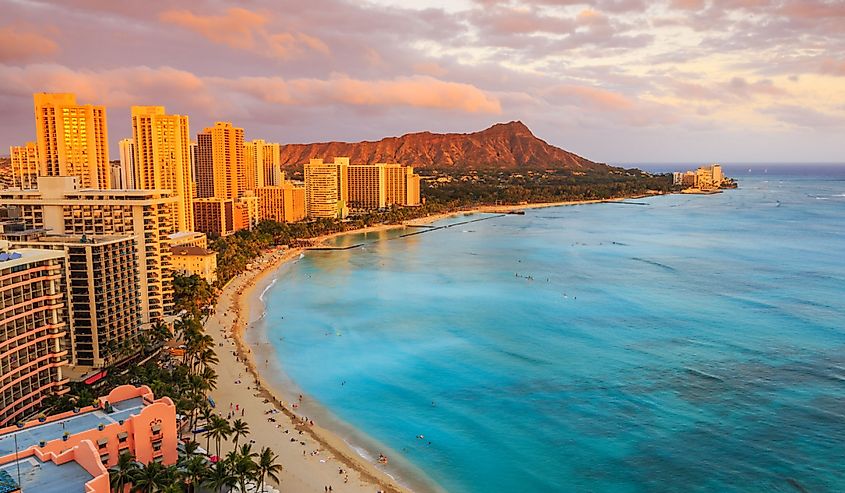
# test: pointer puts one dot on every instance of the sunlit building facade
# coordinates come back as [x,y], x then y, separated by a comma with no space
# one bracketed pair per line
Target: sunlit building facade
[25,165]
[283,203]
[326,188]
[72,139]
[163,158]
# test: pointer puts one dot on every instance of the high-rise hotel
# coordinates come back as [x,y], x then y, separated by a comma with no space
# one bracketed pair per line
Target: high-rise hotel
[33,325]
[72,139]
[162,159]
[333,189]
[25,165]
[63,207]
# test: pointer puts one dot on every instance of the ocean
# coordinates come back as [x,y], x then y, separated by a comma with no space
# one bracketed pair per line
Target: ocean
[674,343]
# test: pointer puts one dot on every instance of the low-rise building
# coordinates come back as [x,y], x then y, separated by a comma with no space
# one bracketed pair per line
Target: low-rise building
[72,451]
[190,260]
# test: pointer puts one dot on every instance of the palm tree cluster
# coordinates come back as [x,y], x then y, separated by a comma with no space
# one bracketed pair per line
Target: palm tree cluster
[241,468]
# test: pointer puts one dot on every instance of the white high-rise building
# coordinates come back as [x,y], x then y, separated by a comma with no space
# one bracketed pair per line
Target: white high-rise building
[127,163]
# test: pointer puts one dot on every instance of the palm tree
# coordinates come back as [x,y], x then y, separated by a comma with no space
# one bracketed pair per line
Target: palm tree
[194,470]
[207,415]
[220,476]
[240,429]
[268,467]
[243,466]
[191,448]
[122,473]
[151,478]
[219,430]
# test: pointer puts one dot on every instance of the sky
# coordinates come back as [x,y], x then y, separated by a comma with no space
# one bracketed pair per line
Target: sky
[617,81]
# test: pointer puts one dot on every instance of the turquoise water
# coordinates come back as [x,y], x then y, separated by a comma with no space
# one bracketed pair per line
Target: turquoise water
[696,343]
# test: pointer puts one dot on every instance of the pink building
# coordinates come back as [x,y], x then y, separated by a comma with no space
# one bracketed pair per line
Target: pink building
[72,451]
[33,326]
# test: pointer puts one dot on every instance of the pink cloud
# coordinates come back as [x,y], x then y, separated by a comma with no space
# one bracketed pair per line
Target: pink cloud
[246,30]
[594,97]
[19,43]
[833,67]
[121,87]
[238,28]
[417,91]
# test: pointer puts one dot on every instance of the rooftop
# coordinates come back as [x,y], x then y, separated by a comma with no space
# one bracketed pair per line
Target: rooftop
[47,477]
[22,256]
[191,250]
[184,234]
[79,423]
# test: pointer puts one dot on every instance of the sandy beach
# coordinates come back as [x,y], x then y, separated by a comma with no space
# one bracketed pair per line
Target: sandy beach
[312,456]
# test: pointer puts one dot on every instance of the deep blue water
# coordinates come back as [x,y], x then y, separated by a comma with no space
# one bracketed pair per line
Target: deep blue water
[696,343]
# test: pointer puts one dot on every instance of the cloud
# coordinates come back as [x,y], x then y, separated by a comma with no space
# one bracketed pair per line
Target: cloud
[246,30]
[120,87]
[800,116]
[833,67]
[416,91]
[18,43]
[595,104]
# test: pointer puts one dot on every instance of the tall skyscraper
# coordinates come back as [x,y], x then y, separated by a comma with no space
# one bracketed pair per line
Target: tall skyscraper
[263,164]
[366,185]
[72,139]
[163,158]
[25,165]
[127,162]
[220,162]
[194,166]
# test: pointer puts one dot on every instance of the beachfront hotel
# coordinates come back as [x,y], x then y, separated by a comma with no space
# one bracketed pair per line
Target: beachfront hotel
[326,193]
[104,295]
[33,326]
[72,139]
[162,161]
[284,203]
[62,206]
[72,451]
[24,165]
[332,189]
[703,178]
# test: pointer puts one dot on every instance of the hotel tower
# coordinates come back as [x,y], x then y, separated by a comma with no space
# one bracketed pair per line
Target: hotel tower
[72,139]
[162,158]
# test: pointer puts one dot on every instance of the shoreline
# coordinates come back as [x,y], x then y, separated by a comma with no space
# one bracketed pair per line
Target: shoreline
[306,472]
[243,290]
